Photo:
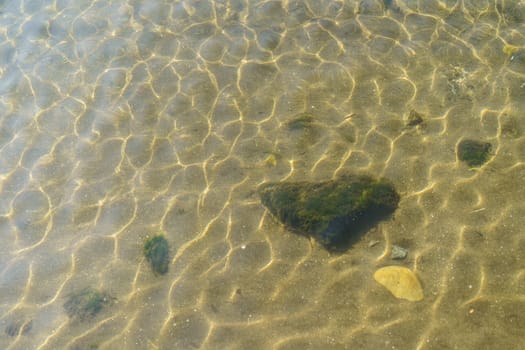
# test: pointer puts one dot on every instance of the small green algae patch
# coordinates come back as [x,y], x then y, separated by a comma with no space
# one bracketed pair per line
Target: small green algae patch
[86,304]
[300,122]
[474,153]
[157,252]
[414,118]
[333,212]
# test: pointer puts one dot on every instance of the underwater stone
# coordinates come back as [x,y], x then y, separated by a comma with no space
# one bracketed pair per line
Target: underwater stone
[400,281]
[335,212]
[398,253]
[517,59]
[17,328]
[156,251]
[300,122]
[86,303]
[414,118]
[474,153]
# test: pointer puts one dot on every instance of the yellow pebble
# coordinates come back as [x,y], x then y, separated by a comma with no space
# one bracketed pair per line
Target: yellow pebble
[400,281]
[271,160]
[509,50]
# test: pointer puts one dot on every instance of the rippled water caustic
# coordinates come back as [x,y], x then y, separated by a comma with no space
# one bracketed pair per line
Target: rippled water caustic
[134,135]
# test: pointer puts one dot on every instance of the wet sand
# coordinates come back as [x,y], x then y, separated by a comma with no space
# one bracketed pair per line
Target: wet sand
[120,120]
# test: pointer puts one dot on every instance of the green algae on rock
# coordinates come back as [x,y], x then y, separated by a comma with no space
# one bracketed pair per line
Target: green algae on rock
[414,118]
[86,303]
[334,212]
[156,251]
[300,122]
[474,153]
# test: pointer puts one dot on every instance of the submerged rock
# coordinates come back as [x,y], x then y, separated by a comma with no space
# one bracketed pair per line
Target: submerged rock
[16,328]
[156,251]
[86,303]
[474,153]
[334,212]
[400,281]
[414,118]
[301,122]
[398,253]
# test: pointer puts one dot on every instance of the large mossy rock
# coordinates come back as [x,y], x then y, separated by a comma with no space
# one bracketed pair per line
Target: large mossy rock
[334,212]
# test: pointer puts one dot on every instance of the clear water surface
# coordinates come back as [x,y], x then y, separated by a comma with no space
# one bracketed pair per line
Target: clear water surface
[123,119]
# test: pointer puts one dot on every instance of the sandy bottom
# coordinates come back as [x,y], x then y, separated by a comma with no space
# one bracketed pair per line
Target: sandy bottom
[123,119]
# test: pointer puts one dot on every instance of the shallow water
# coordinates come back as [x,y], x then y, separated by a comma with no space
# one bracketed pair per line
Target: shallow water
[122,119]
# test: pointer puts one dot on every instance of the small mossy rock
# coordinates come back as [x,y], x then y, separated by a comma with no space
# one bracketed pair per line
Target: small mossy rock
[414,118]
[86,304]
[400,281]
[157,252]
[474,153]
[334,212]
[300,122]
